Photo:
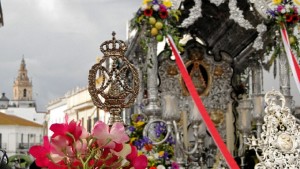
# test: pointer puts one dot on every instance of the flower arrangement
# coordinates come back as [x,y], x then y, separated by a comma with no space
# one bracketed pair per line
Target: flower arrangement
[159,156]
[284,15]
[285,12]
[158,19]
[72,147]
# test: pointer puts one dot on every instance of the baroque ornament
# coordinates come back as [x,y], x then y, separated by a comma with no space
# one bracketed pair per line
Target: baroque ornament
[120,81]
[217,2]
[195,13]
[235,14]
[280,138]
[258,43]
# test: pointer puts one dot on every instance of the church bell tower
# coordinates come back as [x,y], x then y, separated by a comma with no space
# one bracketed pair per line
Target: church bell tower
[22,89]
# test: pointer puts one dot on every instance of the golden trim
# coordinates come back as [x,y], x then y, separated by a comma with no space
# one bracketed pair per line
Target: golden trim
[206,67]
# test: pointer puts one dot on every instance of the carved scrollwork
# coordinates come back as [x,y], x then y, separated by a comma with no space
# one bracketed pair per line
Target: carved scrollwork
[119,84]
[279,141]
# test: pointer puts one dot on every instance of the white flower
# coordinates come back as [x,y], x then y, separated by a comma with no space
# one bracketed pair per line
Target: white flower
[150,157]
[156,155]
[144,7]
[161,167]
[283,11]
[155,7]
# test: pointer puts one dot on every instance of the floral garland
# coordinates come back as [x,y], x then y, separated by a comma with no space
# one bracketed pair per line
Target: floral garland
[285,14]
[158,20]
[72,147]
[159,156]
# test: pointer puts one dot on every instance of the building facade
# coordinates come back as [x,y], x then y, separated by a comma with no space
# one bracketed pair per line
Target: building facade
[17,135]
[23,104]
[22,89]
[77,105]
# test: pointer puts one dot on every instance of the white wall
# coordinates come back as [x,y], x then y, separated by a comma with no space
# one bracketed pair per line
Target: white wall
[11,136]
[56,115]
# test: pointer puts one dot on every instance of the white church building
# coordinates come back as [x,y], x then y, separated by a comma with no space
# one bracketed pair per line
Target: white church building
[21,126]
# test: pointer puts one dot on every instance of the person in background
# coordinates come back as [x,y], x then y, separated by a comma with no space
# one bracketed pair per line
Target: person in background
[3,160]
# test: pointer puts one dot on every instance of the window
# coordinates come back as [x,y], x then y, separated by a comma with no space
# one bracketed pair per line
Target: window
[89,124]
[82,121]
[24,93]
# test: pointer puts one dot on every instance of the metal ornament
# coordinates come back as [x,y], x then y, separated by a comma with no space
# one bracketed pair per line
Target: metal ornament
[278,145]
[119,84]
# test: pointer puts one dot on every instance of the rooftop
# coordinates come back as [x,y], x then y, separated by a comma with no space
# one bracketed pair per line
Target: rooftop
[4,98]
[14,120]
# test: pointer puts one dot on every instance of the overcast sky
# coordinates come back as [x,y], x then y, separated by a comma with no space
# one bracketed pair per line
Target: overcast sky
[59,40]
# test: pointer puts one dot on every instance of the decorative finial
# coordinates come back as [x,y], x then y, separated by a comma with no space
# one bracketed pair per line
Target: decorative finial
[114,34]
[118,85]
[113,47]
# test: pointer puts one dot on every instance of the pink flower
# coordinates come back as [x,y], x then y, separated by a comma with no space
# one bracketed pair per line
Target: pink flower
[295,10]
[280,7]
[162,7]
[72,147]
[175,165]
[109,137]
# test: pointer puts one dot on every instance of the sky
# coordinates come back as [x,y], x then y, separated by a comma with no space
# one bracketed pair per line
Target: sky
[59,40]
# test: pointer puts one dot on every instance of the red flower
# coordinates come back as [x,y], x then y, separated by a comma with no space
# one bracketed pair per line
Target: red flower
[138,162]
[76,163]
[295,18]
[163,14]
[153,167]
[148,147]
[41,153]
[288,18]
[66,129]
[91,162]
[148,12]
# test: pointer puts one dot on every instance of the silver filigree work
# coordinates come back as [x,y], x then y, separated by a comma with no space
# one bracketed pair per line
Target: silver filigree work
[237,15]
[195,13]
[258,43]
[217,2]
[280,138]
[176,3]
[262,6]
